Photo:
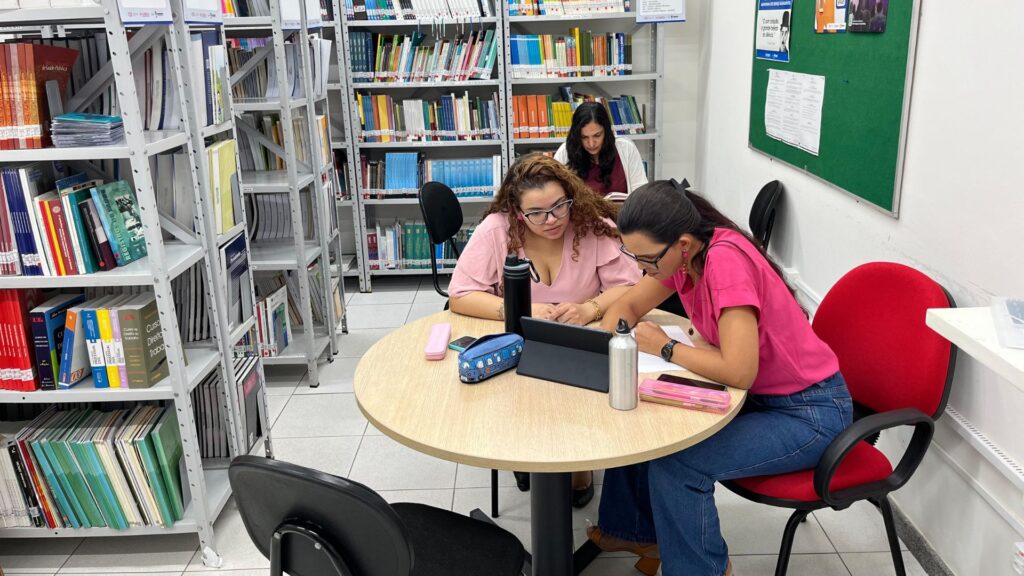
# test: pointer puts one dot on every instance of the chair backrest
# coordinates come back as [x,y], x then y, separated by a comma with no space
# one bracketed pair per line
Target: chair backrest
[762,213]
[874,320]
[354,520]
[441,211]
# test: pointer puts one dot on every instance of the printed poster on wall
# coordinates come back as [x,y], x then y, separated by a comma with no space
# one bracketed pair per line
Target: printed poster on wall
[661,11]
[829,16]
[774,21]
[868,15]
[145,11]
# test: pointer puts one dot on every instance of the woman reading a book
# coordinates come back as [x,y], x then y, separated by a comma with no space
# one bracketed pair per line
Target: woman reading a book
[544,212]
[609,165]
[755,337]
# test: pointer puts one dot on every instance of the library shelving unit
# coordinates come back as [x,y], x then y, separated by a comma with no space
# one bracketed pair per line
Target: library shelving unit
[341,142]
[200,139]
[368,210]
[311,342]
[207,481]
[644,82]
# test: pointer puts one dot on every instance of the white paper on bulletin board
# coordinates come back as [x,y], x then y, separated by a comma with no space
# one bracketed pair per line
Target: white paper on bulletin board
[792,108]
[661,11]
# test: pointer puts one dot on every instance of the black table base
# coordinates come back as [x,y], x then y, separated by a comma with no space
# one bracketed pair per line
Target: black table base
[551,528]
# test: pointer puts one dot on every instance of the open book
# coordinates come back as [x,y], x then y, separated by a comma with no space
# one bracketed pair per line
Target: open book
[616,196]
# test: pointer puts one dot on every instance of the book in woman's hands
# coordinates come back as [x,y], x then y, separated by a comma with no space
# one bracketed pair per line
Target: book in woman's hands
[616,196]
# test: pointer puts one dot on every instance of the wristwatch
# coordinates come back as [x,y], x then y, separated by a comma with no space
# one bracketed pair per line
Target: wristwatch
[666,350]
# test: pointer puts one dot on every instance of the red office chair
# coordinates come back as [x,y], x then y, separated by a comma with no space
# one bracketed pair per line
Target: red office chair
[899,373]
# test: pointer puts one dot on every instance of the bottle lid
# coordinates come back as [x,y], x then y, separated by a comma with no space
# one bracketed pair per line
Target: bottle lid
[622,327]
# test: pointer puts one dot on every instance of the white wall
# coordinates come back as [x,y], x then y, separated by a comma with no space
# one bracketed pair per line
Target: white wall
[960,221]
[678,124]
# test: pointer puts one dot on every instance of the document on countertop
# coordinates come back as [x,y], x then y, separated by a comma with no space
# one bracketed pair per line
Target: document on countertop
[652,363]
[792,108]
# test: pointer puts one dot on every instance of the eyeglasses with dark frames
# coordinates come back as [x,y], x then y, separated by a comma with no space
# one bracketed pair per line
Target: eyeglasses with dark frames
[650,263]
[558,211]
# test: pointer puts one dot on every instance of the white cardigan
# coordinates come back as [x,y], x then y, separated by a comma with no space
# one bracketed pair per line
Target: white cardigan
[632,164]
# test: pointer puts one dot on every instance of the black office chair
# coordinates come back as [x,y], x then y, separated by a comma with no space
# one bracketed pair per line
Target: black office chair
[309,523]
[762,213]
[442,214]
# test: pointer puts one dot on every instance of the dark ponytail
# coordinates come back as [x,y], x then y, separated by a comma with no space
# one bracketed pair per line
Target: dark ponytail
[664,211]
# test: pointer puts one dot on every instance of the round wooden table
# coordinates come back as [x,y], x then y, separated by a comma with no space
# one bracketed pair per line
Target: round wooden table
[511,422]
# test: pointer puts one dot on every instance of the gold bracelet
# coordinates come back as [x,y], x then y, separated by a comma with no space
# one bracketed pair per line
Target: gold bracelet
[598,312]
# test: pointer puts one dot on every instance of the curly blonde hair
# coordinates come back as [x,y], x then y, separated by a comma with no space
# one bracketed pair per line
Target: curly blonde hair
[533,171]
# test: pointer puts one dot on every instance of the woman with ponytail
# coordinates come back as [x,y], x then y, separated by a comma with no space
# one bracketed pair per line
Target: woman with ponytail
[752,335]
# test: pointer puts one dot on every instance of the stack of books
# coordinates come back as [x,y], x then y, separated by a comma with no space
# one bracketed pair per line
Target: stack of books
[31,76]
[78,129]
[83,468]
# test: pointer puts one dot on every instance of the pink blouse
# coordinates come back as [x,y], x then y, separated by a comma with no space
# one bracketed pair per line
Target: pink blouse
[599,266]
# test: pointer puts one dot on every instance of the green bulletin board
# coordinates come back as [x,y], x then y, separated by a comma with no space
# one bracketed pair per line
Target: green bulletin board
[866,102]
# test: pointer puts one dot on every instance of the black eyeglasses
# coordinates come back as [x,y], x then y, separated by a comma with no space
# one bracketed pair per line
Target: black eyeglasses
[650,263]
[558,211]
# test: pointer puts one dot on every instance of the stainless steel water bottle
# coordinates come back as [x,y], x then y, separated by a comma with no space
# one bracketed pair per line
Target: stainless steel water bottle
[623,393]
[516,275]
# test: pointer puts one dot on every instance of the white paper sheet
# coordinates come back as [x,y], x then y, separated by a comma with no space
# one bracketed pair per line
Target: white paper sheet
[652,363]
[792,108]
[661,11]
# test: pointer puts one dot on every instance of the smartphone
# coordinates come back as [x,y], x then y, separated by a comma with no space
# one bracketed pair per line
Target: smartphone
[460,344]
[696,383]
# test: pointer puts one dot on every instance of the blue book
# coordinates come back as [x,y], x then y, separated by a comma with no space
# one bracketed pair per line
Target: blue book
[64,506]
[32,262]
[94,343]
[74,363]
[47,322]
[90,118]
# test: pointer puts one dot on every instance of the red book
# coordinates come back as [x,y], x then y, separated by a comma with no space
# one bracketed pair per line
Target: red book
[41,494]
[24,349]
[41,64]
[6,125]
[60,226]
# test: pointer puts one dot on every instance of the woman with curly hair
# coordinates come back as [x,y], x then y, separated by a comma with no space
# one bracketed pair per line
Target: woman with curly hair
[546,213]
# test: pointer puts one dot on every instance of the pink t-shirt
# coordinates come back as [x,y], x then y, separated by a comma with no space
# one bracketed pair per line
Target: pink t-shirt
[599,266]
[792,357]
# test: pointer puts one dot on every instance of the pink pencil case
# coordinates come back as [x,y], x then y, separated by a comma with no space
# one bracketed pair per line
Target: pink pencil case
[684,396]
[437,344]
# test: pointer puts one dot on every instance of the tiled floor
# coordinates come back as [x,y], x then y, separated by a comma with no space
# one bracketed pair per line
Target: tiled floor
[323,428]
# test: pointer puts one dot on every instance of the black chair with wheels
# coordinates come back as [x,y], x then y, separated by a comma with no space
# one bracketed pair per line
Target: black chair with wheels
[762,213]
[309,523]
[442,215]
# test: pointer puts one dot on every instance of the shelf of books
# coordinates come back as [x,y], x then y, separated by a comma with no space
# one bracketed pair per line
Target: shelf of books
[427,99]
[280,62]
[122,279]
[560,54]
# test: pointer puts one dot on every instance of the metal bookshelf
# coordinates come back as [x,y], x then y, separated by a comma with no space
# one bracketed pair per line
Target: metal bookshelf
[650,75]
[449,28]
[207,483]
[298,178]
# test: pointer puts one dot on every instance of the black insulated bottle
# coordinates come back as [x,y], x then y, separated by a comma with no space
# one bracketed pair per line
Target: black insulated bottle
[516,274]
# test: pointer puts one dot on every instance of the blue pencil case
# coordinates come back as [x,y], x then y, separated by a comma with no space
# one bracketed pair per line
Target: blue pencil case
[490,355]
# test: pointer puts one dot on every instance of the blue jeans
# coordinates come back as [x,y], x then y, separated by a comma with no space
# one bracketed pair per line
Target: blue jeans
[671,500]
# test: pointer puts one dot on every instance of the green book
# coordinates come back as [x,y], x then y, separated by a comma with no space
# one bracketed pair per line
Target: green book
[145,354]
[84,452]
[144,446]
[122,221]
[81,495]
[167,444]
[51,474]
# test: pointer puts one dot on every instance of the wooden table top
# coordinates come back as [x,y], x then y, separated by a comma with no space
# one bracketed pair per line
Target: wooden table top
[511,422]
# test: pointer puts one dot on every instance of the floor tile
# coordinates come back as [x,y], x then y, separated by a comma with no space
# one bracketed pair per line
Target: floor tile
[372,430]
[610,566]
[331,455]
[122,572]
[514,511]
[335,377]
[36,555]
[423,310]
[316,415]
[377,316]
[233,544]
[275,405]
[880,564]
[357,342]
[427,294]
[859,528]
[383,464]
[473,477]
[436,498]
[751,528]
[799,565]
[108,555]
[384,295]
[282,380]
